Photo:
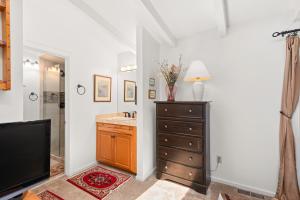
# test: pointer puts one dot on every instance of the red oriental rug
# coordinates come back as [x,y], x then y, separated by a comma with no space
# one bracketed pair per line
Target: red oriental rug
[98,181]
[47,195]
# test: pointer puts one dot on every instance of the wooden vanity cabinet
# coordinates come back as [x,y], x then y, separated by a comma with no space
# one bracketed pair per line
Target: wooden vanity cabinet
[116,146]
[123,151]
[105,147]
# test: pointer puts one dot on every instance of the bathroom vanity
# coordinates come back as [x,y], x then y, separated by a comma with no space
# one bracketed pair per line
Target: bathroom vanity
[115,133]
[116,141]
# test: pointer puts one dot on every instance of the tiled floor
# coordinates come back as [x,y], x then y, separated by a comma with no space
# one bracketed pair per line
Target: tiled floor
[151,189]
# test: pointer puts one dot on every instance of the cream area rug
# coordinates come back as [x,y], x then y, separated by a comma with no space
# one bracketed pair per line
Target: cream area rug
[165,190]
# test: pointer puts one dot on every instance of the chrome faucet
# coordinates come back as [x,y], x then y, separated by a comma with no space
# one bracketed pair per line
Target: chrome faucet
[130,115]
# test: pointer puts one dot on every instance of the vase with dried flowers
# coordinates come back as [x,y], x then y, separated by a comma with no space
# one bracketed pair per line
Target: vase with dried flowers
[171,74]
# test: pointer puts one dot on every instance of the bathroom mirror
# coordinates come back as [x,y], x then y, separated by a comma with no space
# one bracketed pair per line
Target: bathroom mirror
[127,78]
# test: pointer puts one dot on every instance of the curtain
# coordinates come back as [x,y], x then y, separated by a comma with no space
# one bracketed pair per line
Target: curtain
[288,188]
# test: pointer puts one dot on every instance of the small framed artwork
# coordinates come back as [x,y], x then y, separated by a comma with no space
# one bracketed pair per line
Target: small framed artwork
[152,82]
[129,91]
[152,94]
[102,88]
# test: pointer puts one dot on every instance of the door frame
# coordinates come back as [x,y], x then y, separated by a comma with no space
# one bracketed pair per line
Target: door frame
[66,55]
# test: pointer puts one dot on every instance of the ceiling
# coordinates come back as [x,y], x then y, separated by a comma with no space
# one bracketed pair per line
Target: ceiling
[119,13]
[171,20]
[54,59]
[189,17]
[186,17]
[242,11]
[34,54]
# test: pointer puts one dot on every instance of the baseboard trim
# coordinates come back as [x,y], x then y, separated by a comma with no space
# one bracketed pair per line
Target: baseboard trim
[146,175]
[79,170]
[149,173]
[244,187]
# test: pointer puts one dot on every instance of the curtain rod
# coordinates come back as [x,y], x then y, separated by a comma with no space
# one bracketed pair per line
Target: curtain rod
[283,33]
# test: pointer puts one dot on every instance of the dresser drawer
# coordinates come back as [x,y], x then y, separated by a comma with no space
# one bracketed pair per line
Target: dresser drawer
[180,110]
[182,142]
[188,173]
[181,156]
[181,127]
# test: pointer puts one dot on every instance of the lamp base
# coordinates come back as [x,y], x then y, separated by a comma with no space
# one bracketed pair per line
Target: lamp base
[198,90]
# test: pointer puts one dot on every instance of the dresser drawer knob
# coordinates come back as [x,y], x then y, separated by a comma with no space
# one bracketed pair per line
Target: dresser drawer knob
[166,109]
[190,129]
[190,174]
[191,158]
[166,153]
[166,140]
[166,167]
[190,144]
[190,110]
[166,126]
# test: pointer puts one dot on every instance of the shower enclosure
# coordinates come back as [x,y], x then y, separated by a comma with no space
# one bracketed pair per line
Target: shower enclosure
[44,96]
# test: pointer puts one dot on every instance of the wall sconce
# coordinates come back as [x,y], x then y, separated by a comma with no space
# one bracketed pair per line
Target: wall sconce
[28,61]
[128,68]
[54,68]
[31,64]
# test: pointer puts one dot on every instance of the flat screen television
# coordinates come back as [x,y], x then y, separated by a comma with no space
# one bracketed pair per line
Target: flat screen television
[24,154]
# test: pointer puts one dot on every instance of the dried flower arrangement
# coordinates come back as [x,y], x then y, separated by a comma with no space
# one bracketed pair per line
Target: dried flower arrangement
[171,74]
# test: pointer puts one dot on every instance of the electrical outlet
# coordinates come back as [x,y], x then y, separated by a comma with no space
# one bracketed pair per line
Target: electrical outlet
[219,159]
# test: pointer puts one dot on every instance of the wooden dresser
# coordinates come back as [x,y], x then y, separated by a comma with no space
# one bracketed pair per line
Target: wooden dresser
[183,150]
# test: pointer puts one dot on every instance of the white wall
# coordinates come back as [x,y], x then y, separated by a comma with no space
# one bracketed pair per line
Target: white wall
[11,104]
[296,126]
[147,59]
[247,73]
[31,83]
[61,27]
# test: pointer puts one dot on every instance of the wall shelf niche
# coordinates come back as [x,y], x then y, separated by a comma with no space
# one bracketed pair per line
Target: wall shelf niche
[5,80]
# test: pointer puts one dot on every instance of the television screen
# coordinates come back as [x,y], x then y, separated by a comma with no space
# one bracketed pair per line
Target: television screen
[24,154]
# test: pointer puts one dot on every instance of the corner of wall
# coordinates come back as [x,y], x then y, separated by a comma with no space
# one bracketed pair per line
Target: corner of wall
[143,177]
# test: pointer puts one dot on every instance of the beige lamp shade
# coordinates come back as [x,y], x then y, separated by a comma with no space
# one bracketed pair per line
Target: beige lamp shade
[197,72]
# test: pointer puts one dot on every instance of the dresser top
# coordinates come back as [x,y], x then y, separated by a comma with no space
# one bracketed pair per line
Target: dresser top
[182,102]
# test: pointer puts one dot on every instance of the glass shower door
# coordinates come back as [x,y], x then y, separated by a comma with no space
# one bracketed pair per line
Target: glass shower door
[53,104]
[51,108]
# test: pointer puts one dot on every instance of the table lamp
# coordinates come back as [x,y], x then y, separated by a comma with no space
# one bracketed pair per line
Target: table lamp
[197,73]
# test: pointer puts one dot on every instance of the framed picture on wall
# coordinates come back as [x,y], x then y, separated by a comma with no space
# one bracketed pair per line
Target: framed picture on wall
[102,88]
[152,82]
[152,94]
[129,91]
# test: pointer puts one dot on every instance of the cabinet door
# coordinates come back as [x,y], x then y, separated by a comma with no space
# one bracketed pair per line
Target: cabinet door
[123,151]
[105,147]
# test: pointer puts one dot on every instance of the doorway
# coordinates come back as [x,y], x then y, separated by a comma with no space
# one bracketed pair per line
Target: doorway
[44,98]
